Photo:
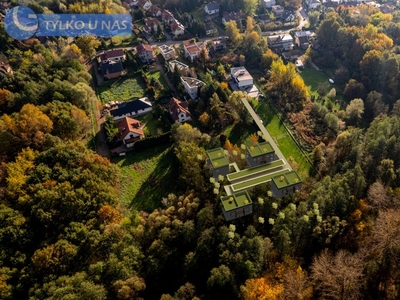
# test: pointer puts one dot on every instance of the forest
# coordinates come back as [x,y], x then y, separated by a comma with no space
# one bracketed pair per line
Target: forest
[64,233]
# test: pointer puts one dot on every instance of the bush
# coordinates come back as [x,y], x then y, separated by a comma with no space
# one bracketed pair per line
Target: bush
[153,141]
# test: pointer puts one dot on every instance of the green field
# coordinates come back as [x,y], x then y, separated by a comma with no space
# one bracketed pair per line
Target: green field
[146,177]
[123,89]
[153,127]
[257,181]
[282,138]
[157,75]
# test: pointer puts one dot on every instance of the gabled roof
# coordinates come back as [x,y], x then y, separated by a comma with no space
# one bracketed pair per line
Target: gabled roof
[112,54]
[128,107]
[143,48]
[129,125]
[166,15]
[191,46]
[176,107]
[175,25]
[212,5]
[154,9]
[111,67]
[151,22]
[232,16]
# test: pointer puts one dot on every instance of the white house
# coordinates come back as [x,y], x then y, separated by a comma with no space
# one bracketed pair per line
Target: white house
[145,53]
[313,4]
[145,4]
[242,78]
[132,108]
[184,69]
[167,52]
[280,43]
[179,111]
[269,3]
[177,28]
[192,86]
[192,50]
[130,131]
[212,8]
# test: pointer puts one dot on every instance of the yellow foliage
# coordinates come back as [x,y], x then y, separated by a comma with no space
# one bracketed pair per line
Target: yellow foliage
[224,85]
[261,289]
[254,138]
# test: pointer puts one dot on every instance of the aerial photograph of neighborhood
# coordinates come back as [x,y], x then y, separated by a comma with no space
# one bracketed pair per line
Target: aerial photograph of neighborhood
[200,150]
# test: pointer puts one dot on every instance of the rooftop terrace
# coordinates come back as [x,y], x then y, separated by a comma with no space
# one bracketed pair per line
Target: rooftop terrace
[236,200]
[256,181]
[260,149]
[255,170]
[217,158]
[287,179]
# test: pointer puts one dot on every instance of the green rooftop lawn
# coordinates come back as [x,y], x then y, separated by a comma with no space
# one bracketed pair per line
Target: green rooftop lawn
[255,170]
[256,181]
[288,179]
[123,89]
[260,149]
[147,176]
[237,200]
[217,157]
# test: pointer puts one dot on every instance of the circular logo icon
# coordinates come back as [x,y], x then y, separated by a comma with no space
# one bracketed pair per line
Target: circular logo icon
[21,22]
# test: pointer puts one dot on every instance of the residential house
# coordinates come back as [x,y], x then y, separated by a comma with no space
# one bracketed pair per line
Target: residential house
[174,64]
[218,44]
[265,18]
[269,3]
[301,39]
[129,3]
[280,43]
[212,8]
[286,184]
[192,50]
[5,68]
[260,154]
[132,108]
[154,11]
[111,69]
[150,25]
[242,78]
[217,162]
[179,111]
[277,10]
[144,4]
[5,7]
[177,28]
[232,16]
[167,52]
[130,131]
[313,4]
[236,205]
[145,53]
[287,17]
[386,9]
[210,29]
[291,56]
[111,55]
[167,17]
[192,86]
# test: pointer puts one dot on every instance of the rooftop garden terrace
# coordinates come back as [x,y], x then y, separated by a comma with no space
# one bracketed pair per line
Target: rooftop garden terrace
[237,200]
[217,158]
[286,180]
[256,181]
[255,170]
[260,149]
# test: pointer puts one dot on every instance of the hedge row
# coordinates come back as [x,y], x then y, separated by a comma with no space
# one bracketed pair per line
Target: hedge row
[153,141]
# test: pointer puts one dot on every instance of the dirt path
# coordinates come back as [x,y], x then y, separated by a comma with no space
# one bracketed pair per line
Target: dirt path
[160,67]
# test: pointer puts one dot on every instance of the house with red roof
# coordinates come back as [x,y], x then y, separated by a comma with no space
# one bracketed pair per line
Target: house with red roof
[167,17]
[177,28]
[154,11]
[192,49]
[111,55]
[129,131]
[145,53]
[179,111]
[150,25]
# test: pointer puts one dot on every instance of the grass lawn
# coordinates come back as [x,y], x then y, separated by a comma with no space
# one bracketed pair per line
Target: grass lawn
[238,134]
[123,89]
[284,141]
[153,127]
[147,176]
[157,75]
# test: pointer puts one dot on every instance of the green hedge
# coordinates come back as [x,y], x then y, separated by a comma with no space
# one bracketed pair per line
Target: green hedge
[153,141]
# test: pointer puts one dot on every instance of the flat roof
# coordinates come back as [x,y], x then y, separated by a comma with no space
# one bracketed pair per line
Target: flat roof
[240,73]
[260,149]
[256,181]
[217,158]
[287,179]
[192,82]
[255,170]
[237,200]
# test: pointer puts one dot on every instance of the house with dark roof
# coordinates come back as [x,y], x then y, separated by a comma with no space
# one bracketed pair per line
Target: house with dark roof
[132,108]
[167,17]
[212,8]
[150,25]
[210,29]
[177,28]
[232,16]
[5,68]
[386,9]
[130,131]
[145,53]
[111,69]
[265,18]
[5,6]
[218,44]
[154,11]
[179,111]
[280,43]
[301,39]
[111,55]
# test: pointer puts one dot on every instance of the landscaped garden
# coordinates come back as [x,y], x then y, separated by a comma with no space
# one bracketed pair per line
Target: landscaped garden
[147,176]
[123,89]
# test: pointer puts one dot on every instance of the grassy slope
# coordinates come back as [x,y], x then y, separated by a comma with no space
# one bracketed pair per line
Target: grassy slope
[147,176]
[123,89]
